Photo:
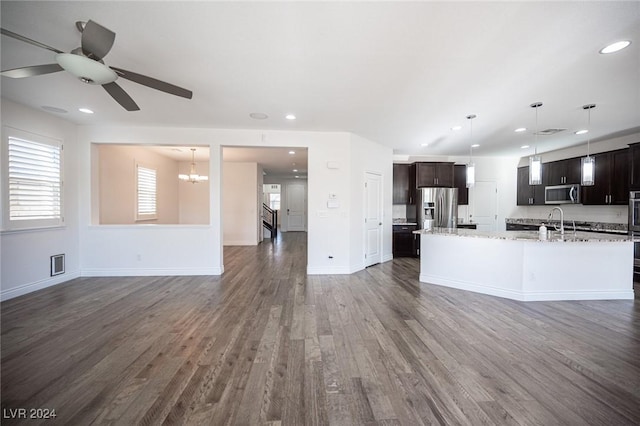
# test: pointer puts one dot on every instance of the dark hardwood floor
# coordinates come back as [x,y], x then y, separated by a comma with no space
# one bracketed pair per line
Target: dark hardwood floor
[266,344]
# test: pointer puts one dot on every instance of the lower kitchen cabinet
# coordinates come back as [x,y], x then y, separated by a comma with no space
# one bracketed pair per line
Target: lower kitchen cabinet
[405,242]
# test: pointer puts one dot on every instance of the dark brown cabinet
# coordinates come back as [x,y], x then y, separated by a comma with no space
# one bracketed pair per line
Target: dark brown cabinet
[634,166]
[434,175]
[405,242]
[460,182]
[611,179]
[528,194]
[401,183]
[562,172]
[404,184]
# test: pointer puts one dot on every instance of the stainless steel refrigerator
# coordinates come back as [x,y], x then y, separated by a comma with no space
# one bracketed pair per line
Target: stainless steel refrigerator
[437,207]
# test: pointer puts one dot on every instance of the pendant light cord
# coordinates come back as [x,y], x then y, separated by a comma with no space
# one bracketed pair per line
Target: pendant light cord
[588,107]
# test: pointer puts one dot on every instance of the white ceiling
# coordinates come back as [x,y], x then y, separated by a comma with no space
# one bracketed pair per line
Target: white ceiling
[275,161]
[401,74]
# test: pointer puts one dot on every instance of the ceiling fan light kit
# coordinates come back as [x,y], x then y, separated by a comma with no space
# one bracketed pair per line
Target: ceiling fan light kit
[85,63]
[87,70]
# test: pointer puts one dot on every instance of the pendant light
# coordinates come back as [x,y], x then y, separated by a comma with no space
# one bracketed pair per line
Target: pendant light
[193,177]
[588,162]
[471,167]
[535,163]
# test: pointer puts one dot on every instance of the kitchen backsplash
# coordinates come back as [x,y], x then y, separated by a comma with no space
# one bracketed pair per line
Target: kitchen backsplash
[577,212]
[400,211]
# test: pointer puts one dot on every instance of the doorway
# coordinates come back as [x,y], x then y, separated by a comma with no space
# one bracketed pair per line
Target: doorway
[484,203]
[296,207]
[372,219]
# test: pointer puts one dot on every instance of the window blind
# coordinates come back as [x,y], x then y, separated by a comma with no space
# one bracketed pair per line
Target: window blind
[35,183]
[146,193]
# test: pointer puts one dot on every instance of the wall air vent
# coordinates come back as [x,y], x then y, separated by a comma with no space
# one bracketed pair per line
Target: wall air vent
[57,264]
[548,132]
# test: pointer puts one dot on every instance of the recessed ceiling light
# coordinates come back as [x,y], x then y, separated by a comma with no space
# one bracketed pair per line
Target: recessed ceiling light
[85,110]
[292,152]
[524,146]
[475,145]
[424,144]
[615,47]
[258,115]
[581,132]
[456,128]
[520,129]
[290,117]
[54,109]
[295,170]
[296,177]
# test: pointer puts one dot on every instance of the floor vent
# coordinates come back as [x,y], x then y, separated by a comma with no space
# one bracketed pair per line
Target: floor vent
[57,264]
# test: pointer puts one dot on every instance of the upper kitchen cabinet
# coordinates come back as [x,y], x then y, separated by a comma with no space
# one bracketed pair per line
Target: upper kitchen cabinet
[529,194]
[434,175]
[460,182]
[611,179]
[404,184]
[562,172]
[400,183]
[634,166]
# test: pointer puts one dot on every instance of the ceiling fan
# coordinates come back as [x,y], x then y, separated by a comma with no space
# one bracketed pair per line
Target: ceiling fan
[85,62]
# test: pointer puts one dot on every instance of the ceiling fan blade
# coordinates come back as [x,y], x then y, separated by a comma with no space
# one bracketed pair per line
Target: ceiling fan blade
[153,83]
[121,96]
[28,40]
[32,71]
[96,40]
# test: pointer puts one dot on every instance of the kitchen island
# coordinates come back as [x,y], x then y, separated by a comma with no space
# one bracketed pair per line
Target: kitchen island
[520,266]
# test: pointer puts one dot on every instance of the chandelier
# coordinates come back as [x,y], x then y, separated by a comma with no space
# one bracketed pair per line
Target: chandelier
[193,176]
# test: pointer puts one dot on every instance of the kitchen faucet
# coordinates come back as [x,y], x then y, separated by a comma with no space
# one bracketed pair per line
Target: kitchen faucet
[561,219]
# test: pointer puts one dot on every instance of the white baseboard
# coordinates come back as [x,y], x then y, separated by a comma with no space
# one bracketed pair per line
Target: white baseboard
[387,257]
[38,285]
[149,272]
[528,296]
[328,270]
[240,243]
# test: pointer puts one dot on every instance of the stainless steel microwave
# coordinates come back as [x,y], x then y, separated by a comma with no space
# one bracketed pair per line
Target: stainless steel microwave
[562,194]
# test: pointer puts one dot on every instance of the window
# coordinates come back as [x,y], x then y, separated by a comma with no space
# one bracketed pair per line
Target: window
[34,180]
[274,201]
[146,184]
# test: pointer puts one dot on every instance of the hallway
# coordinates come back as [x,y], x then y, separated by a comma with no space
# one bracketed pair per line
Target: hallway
[267,344]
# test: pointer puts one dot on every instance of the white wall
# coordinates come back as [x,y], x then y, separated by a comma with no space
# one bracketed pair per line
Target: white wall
[24,265]
[239,210]
[203,244]
[193,202]
[117,183]
[115,250]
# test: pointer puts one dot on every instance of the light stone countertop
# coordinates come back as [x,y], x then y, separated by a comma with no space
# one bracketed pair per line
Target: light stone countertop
[582,237]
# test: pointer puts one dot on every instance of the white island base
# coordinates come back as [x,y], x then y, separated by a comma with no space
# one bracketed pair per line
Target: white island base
[527,269]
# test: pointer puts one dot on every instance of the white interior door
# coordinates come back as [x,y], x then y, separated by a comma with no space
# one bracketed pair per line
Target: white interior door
[373,219]
[295,207]
[484,205]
